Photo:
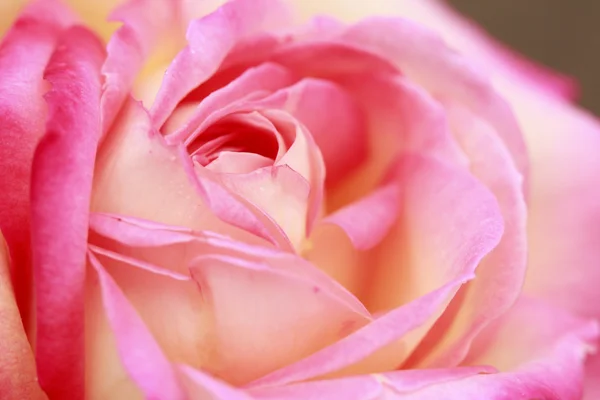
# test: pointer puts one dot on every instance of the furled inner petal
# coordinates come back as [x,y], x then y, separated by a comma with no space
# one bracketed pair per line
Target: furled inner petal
[135,163]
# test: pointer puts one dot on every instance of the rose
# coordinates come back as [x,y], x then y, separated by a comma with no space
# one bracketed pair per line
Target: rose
[207,251]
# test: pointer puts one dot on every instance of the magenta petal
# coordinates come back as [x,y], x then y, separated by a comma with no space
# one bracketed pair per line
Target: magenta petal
[363,342]
[24,53]
[144,21]
[367,221]
[139,352]
[60,195]
[210,39]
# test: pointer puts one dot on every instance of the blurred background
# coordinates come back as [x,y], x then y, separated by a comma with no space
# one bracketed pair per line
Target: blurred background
[562,34]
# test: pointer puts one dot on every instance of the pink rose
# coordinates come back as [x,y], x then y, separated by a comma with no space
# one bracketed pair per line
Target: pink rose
[248,202]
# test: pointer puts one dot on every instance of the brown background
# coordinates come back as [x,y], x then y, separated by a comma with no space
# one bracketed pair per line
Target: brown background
[563,34]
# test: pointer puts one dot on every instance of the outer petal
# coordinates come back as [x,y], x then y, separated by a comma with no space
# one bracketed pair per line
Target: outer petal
[24,53]
[18,378]
[564,216]
[60,195]
[446,75]
[501,273]
[460,33]
[540,350]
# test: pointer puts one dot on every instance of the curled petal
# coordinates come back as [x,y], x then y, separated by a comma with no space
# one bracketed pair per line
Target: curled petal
[210,39]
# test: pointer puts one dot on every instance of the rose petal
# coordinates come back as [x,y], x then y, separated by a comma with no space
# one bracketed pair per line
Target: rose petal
[145,24]
[60,194]
[141,356]
[363,342]
[281,291]
[427,60]
[24,53]
[266,77]
[374,386]
[224,28]
[369,220]
[18,378]
[501,274]
[281,193]
[205,386]
[135,163]
[541,349]
[463,35]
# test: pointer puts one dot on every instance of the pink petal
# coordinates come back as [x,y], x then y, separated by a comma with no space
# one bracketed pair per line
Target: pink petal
[402,117]
[18,378]
[210,39]
[280,297]
[564,211]
[142,357]
[449,222]
[363,342]
[468,38]
[369,220]
[60,195]
[281,193]
[24,53]
[374,386]
[230,162]
[206,386]
[427,60]
[145,22]
[281,291]
[266,77]
[540,350]
[344,120]
[135,164]
[501,274]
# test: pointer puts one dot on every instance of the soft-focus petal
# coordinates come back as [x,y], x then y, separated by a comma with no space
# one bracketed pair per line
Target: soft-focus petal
[564,216]
[60,195]
[18,378]
[24,53]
